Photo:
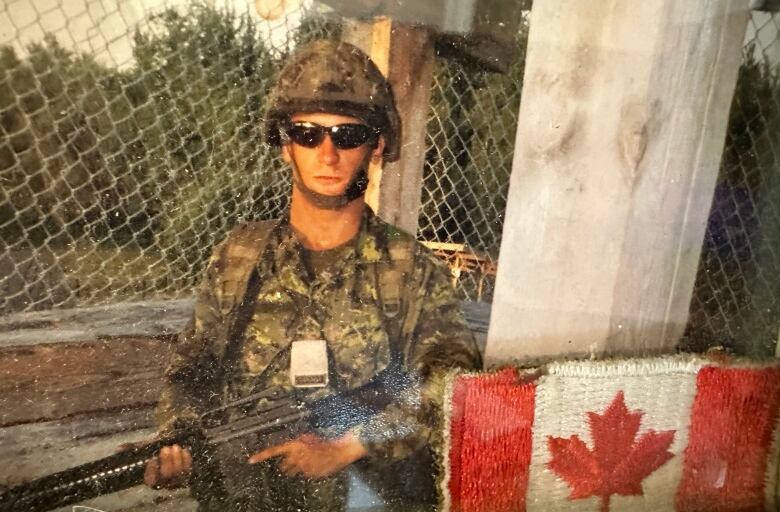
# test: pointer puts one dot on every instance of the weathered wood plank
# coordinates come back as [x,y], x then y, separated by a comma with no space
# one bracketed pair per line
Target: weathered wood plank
[49,381]
[620,135]
[55,364]
[149,318]
[34,450]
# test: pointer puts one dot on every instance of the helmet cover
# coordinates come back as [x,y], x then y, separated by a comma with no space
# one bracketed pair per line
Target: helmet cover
[334,77]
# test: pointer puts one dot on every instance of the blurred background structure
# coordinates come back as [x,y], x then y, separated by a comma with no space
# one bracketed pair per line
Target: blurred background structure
[130,143]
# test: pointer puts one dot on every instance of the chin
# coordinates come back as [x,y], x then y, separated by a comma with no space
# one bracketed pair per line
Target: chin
[330,190]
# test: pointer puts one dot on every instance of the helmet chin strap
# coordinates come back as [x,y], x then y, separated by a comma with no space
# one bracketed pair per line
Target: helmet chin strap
[356,188]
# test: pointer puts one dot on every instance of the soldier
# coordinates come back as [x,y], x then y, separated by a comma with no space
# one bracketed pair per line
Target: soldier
[332,272]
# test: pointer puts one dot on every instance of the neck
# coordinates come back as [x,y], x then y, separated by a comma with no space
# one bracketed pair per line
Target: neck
[319,229]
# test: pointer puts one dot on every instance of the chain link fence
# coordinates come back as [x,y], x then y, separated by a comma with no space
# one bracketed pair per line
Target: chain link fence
[470,140]
[121,165]
[129,144]
[737,291]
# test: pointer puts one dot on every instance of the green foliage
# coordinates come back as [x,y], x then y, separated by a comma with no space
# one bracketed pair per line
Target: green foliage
[166,155]
[317,27]
[62,169]
[753,136]
[141,168]
[753,152]
[204,76]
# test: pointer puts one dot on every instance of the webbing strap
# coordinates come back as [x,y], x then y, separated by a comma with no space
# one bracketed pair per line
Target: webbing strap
[391,277]
[255,237]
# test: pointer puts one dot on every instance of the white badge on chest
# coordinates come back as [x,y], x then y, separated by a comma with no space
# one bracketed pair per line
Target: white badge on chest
[309,364]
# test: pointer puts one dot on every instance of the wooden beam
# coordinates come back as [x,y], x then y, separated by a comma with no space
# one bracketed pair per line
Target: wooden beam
[405,54]
[50,381]
[67,442]
[59,363]
[153,319]
[620,134]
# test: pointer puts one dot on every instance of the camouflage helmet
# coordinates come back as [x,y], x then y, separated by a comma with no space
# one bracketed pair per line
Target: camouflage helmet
[334,77]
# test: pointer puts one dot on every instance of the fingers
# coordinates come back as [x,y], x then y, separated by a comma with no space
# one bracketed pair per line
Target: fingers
[152,473]
[309,439]
[307,455]
[169,468]
[273,451]
[291,454]
[170,464]
[174,461]
[291,466]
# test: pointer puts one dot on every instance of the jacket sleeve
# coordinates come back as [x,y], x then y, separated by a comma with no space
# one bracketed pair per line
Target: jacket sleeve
[189,380]
[440,340]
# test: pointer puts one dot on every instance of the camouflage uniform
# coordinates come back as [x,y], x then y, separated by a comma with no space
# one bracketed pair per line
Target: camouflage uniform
[341,304]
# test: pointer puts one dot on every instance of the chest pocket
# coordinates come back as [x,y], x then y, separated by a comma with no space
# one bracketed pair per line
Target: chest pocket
[351,323]
[356,335]
[374,324]
[267,333]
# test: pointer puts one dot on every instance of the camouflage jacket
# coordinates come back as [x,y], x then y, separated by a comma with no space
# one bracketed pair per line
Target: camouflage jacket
[341,305]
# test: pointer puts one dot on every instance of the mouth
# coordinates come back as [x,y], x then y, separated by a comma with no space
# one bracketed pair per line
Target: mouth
[327,179]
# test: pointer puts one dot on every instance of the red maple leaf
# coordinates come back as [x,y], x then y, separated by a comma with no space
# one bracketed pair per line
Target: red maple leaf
[618,462]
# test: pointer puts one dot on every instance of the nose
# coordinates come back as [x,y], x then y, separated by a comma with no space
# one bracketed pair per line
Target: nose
[327,152]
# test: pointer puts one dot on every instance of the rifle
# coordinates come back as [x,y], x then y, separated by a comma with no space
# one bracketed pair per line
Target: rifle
[260,415]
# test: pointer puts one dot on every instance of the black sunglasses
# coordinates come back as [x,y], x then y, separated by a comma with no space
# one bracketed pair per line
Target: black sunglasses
[343,136]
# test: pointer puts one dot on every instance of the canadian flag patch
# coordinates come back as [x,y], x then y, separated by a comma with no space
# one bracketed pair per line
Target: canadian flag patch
[656,434]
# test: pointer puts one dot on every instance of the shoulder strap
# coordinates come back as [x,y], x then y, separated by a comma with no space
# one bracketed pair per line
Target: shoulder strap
[242,250]
[399,309]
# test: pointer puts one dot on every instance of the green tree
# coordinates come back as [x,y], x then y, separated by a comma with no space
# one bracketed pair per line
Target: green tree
[131,176]
[64,169]
[203,75]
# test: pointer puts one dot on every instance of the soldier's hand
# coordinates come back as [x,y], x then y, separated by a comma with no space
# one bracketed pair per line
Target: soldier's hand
[170,469]
[312,456]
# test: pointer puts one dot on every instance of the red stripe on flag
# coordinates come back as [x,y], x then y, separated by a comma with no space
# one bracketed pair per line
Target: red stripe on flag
[490,442]
[734,416]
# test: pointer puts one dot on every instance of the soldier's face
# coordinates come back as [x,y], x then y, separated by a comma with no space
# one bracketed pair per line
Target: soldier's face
[326,169]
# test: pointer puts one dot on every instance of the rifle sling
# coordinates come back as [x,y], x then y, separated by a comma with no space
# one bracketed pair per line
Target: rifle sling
[246,307]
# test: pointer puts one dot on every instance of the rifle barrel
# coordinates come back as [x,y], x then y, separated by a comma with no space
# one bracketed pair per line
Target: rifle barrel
[109,474]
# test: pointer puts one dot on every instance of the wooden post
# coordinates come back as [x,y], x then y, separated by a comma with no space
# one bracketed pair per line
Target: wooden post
[620,134]
[777,345]
[405,55]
